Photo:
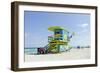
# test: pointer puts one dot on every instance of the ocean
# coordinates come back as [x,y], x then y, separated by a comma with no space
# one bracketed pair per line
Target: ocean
[30,51]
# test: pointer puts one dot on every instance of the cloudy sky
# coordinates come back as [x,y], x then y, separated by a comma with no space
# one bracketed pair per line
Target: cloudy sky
[37,23]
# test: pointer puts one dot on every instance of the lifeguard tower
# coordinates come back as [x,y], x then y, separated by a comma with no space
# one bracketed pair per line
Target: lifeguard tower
[59,41]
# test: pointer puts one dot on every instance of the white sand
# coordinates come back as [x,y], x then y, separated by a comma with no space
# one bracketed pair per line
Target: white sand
[69,55]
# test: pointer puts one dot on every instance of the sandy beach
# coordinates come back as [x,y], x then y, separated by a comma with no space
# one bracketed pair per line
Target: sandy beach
[73,54]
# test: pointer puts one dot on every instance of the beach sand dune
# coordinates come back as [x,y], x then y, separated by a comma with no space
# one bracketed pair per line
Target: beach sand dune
[73,54]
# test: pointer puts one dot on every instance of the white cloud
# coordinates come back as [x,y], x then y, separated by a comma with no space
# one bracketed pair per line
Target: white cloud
[83,25]
[83,31]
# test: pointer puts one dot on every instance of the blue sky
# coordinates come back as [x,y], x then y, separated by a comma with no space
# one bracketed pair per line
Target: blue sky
[37,23]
